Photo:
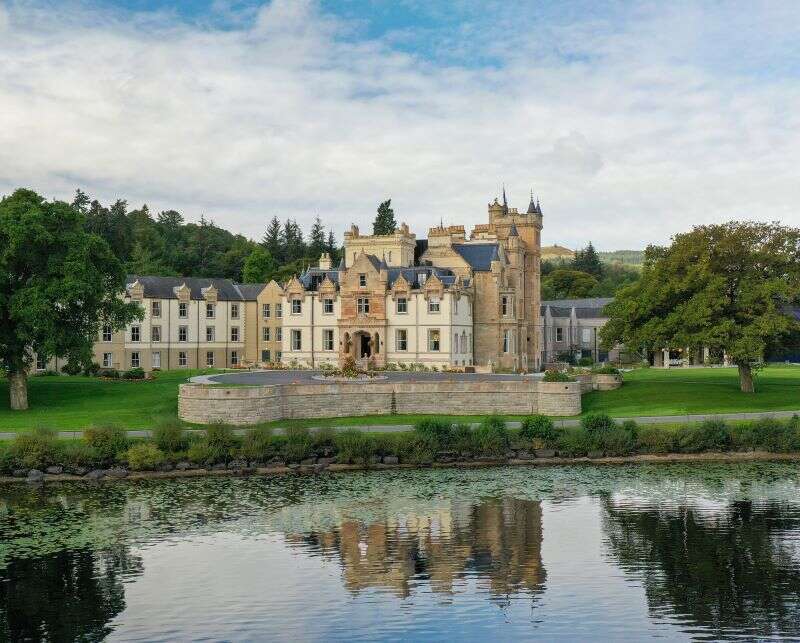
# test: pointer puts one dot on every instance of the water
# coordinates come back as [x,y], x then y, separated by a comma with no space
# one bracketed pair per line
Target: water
[678,552]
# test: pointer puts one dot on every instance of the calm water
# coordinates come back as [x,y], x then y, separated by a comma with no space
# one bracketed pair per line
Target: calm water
[625,553]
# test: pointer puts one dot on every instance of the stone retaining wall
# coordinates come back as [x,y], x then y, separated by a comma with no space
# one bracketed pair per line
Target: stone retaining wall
[202,404]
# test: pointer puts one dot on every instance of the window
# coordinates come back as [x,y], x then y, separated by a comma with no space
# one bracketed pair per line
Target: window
[504,306]
[362,281]
[210,333]
[234,358]
[41,364]
[209,358]
[464,345]
[586,335]
[401,339]
[559,334]
[265,311]
[278,310]
[265,333]
[279,335]
[108,360]
[327,306]
[234,311]
[106,333]
[234,333]
[183,333]
[155,333]
[210,311]
[183,310]
[433,305]
[421,278]
[155,309]
[297,340]
[508,341]
[401,306]
[182,361]
[455,343]
[156,359]
[135,359]
[265,356]
[135,333]
[363,305]
[434,339]
[327,339]
[278,356]
[390,257]
[297,306]
[455,305]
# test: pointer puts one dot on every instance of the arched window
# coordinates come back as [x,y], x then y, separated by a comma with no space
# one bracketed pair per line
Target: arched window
[455,343]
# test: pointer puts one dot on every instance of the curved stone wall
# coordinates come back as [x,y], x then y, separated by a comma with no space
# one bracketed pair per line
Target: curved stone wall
[242,405]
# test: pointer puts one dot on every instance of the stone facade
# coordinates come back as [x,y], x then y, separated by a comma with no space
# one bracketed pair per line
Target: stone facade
[251,405]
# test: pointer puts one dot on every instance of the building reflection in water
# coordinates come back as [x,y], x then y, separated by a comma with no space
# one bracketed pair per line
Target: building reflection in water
[498,542]
[733,568]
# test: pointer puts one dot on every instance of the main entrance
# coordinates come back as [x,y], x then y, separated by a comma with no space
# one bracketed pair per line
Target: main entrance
[365,345]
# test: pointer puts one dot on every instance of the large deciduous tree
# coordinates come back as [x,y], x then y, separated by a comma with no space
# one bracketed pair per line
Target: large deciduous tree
[58,285]
[384,221]
[725,287]
[259,266]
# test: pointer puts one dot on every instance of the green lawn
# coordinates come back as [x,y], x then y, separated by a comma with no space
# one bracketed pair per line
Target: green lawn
[655,391]
[66,402]
[77,402]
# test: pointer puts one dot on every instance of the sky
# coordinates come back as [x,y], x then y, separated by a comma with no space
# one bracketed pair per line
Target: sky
[631,121]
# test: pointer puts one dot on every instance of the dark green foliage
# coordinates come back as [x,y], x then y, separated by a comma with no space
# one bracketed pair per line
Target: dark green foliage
[586,361]
[557,376]
[491,437]
[616,442]
[354,447]
[538,427]
[76,453]
[384,221]
[574,442]
[299,444]
[766,434]
[258,445]
[563,283]
[144,456]
[588,261]
[462,438]
[711,435]
[72,368]
[606,370]
[215,446]
[91,370]
[107,441]
[133,374]
[169,436]
[35,450]
[434,429]
[110,373]
[655,439]
[259,267]
[597,423]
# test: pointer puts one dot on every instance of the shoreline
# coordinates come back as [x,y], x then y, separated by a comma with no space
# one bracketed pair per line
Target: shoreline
[666,458]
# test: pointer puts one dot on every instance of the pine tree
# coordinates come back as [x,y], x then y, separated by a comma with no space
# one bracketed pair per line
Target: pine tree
[330,246]
[588,261]
[274,241]
[384,221]
[316,245]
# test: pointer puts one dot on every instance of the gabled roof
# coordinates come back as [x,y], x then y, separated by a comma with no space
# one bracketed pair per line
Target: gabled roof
[313,277]
[250,292]
[479,256]
[589,302]
[164,287]
[411,275]
[591,308]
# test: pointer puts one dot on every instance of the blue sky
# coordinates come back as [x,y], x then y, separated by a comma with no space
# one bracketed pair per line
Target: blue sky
[631,120]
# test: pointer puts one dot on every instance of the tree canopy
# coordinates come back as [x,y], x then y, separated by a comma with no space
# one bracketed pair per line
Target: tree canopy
[258,267]
[58,285]
[384,221]
[724,287]
[563,283]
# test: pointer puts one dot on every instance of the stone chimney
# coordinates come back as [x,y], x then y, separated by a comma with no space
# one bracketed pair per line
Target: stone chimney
[325,261]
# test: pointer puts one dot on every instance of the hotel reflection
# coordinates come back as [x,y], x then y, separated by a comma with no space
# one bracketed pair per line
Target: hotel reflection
[497,543]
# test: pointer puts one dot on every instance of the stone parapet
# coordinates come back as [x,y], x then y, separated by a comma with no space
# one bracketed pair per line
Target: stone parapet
[203,404]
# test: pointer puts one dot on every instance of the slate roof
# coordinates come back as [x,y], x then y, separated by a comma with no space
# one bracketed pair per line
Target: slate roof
[479,256]
[591,302]
[313,277]
[584,308]
[164,287]
[250,292]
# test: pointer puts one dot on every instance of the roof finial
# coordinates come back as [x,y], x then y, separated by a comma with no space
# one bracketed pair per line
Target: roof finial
[505,202]
[532,205]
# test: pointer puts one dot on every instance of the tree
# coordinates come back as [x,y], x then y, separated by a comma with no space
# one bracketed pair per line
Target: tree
[316,239]
[564,284]
[724,287]
[58,285]
[384,221]
[273,240]
[587,260]
[258,267]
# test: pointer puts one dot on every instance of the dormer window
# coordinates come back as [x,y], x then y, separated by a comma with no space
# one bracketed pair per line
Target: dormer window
[362,281]
[421,278]
[434,305]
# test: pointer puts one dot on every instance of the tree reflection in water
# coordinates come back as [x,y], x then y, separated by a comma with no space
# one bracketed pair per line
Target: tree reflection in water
[498,541]
[733,569]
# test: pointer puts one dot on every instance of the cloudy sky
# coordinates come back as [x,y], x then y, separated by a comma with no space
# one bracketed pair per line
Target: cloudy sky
[631,121]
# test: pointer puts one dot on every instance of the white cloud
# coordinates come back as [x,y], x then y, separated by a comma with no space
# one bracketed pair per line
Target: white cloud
[630,131]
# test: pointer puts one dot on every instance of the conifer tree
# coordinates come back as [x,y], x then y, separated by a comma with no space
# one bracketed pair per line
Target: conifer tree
[384,221]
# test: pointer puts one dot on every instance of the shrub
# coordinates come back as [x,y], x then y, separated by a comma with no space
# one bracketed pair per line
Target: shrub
[491,437]
[298,445]
[76,453]
[144,456]
[108,441]
[215,446]
[257,444]
[72,368]
[617,441]
[597,423]
[92,369]
[711,435]
[586,361]
[574,442]
[169,436]
[416,448]
[606,370]
[353,446]
[462,438]
[655,439]
[133,374]
[7,463]
[35,450]
[323,438]
[768,434]
[109,373]
[437,430]
[538,427]
[557,376]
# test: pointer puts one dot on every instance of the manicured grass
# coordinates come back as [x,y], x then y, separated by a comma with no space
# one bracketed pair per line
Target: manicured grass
[66,402]
[655,391]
